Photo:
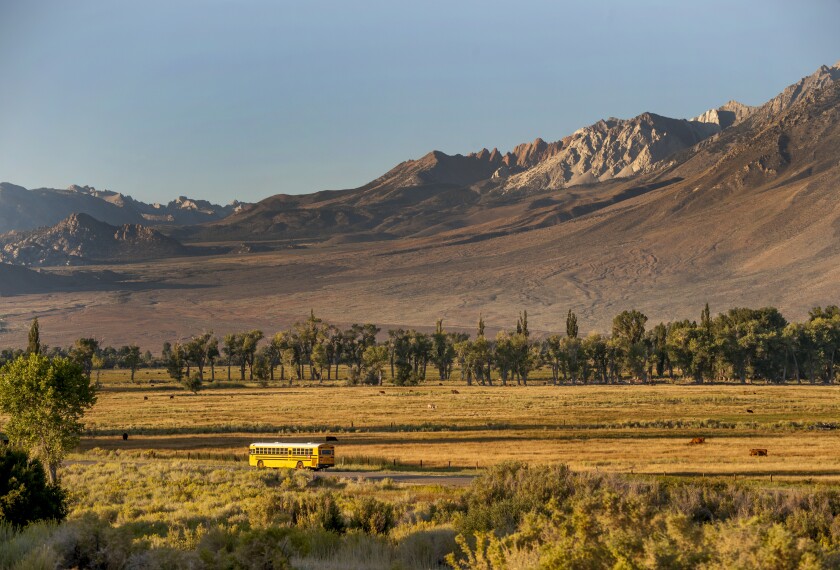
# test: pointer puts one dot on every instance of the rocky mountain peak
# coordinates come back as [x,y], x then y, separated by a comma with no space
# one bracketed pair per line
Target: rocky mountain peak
[819,79]
[80,239]
[727,115]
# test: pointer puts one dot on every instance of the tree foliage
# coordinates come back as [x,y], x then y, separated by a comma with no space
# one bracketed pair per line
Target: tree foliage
[45,400]
[25,493]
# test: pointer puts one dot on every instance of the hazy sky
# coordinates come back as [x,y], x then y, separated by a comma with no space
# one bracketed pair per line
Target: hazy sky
[244,99]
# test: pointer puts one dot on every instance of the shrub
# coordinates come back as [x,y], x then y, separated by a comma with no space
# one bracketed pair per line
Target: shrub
[25,494]
[373,516]
[263,549]
[192,383]
[499,498]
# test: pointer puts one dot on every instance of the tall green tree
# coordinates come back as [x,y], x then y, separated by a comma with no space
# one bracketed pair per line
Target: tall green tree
[443,351]
[45,400]
[230,350]
[197,351]
[84,352]
[628,335]
[34,346]
[571,325]
[374,361]
[176,362]
[131,358]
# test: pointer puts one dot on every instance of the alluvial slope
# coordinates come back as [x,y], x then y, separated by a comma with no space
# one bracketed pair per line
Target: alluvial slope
[81,239]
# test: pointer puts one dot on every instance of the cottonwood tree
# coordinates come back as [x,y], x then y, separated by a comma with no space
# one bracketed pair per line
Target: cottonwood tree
[197,351]
[84,352]
[45,400]
[628,337]
[131,358]
[374,361]
[230,350]
[176,363]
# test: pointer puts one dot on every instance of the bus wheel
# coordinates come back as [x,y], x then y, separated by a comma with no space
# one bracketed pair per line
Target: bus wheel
[299,465]
[260,464]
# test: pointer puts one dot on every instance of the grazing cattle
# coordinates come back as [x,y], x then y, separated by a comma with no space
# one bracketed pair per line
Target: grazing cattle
[382,392]
[145,397]
[758,452]
[171,397]
[750,411]
[697,441]
[432,407]
[455,392]
[332,438]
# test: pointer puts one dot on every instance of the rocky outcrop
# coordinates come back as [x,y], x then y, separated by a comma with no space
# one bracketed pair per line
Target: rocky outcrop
[609,149]
[80,240]
[726,116]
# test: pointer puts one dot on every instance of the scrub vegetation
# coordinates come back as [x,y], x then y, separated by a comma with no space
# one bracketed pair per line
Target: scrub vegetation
[161,513]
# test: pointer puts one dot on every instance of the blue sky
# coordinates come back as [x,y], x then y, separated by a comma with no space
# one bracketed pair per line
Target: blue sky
[221,99]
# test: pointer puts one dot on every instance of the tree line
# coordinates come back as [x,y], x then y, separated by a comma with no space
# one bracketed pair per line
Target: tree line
[740,344]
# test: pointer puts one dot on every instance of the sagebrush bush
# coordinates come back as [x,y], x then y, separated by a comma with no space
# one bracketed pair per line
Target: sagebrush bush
[372,516]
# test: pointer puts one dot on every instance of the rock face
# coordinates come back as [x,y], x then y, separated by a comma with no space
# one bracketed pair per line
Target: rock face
[80,240]
[22,209]
[609,149]
[726,116]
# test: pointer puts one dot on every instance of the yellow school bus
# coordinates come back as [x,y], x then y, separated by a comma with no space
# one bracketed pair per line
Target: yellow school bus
[291,455]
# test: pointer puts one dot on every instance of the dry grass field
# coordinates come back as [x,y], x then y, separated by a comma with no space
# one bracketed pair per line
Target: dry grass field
[626,428]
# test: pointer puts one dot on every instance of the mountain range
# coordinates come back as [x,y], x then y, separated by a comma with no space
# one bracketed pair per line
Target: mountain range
[737,206]
[22,209]
[439,192]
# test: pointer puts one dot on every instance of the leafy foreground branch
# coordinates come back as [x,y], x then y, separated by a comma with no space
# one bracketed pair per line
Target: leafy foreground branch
[513,516]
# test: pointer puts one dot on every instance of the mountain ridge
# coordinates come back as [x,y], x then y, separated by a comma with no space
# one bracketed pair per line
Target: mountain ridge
[24,209]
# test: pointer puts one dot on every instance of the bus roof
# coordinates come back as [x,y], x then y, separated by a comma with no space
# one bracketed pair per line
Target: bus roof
[286,444]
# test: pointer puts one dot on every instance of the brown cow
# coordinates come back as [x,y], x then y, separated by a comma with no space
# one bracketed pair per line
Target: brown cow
[697,441]
[382,392]
[455,392]
[758,452]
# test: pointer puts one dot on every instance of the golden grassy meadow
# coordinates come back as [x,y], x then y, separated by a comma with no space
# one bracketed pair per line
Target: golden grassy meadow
[179,491]
[625,428]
